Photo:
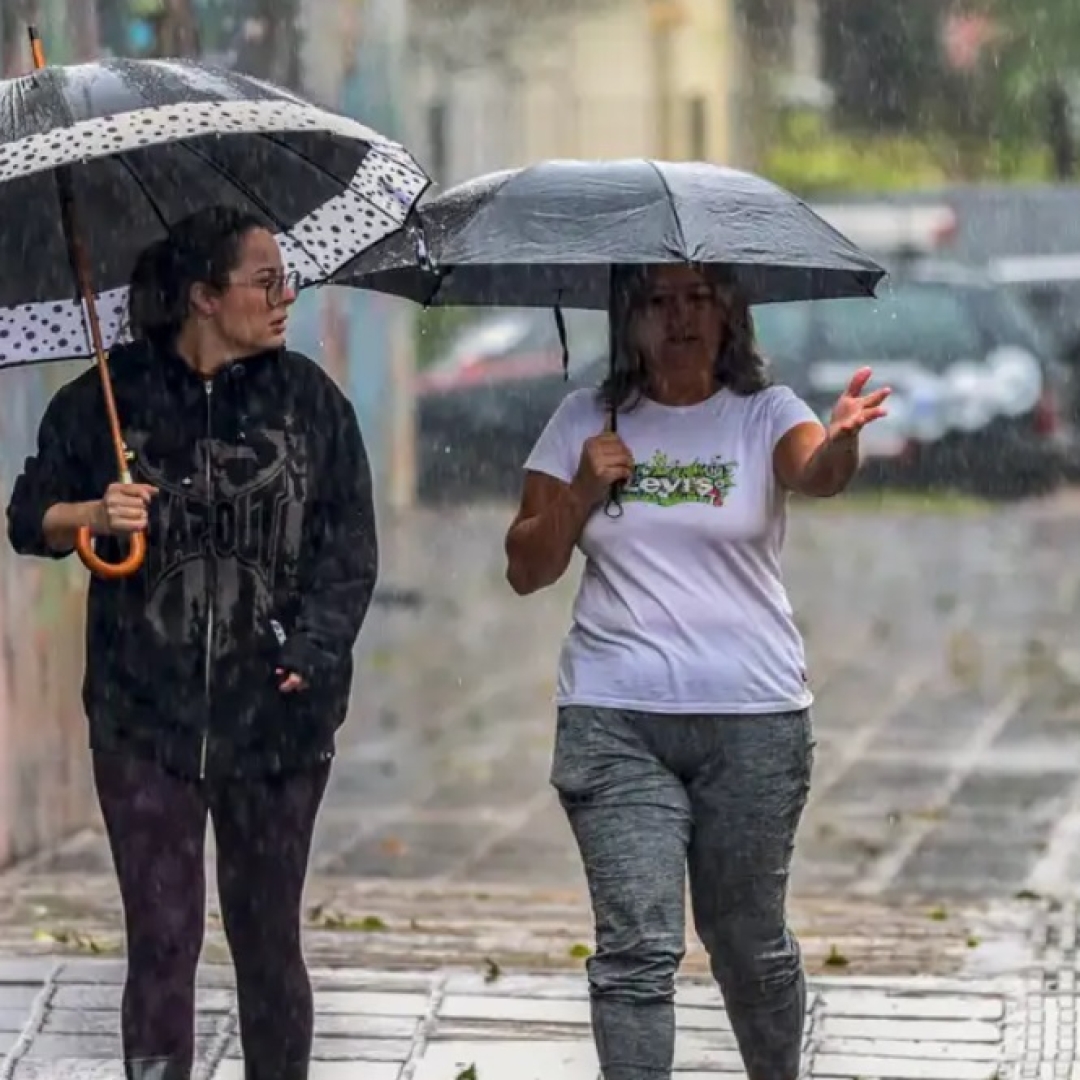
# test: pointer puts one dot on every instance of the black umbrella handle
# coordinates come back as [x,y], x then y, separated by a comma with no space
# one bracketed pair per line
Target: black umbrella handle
[613,507]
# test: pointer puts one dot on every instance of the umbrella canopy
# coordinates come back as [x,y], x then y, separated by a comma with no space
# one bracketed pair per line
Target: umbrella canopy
[150,142]
[547,236]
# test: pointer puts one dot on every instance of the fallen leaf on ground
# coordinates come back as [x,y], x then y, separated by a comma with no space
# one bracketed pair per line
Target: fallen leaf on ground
[327,919]
[836,958]
[74,939]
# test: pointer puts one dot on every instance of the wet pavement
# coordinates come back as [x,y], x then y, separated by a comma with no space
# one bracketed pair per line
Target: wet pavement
[943,656]
[944,824]
[380,1025]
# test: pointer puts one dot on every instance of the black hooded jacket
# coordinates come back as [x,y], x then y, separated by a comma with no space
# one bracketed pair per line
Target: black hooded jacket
[262,554]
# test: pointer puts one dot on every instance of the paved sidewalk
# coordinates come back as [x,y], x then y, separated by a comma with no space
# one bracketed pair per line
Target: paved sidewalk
[460,1025]
[426,982]
[391,923]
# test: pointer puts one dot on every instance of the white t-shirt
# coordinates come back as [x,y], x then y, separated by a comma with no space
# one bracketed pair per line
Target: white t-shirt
[681,607]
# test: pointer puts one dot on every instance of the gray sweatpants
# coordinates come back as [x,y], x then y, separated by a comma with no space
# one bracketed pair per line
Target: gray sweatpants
[648,797]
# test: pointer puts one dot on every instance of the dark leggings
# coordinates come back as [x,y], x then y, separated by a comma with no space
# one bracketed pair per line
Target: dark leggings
[156,824]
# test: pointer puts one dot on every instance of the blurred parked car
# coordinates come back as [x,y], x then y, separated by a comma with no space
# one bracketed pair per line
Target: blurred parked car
[483,404]
[1049,285]
[1026,235]
[977,391]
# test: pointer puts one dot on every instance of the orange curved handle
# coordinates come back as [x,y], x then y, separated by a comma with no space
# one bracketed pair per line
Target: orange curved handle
[84,545]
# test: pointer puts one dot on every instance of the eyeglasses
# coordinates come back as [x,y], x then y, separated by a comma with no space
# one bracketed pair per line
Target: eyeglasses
[276,286]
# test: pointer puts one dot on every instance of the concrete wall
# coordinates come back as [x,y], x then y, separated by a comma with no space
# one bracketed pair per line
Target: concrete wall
[656,78]
[45,789]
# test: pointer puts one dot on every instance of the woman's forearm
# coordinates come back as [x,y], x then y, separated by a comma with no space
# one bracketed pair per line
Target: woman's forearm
[831,467]
[62,522]
[539,548]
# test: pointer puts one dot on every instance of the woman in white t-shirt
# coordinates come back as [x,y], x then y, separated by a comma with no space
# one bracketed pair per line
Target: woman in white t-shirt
[684,737]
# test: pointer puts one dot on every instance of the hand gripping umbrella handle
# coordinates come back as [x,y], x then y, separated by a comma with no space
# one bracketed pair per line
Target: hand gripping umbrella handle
[84,543]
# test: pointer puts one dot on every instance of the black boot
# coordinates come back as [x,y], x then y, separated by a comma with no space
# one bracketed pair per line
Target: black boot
[156,1069]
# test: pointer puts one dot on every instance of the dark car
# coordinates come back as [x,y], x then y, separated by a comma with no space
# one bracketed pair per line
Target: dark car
[977,390]
[1027,235]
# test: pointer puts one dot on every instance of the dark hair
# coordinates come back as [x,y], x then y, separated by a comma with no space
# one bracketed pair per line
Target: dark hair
[739,366]
[202,248]
[144,301]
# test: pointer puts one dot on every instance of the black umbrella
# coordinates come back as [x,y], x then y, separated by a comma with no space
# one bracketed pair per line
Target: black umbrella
[548,235]
[98,160]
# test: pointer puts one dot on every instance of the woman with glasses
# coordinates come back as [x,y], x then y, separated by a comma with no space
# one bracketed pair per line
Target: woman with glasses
[219,673]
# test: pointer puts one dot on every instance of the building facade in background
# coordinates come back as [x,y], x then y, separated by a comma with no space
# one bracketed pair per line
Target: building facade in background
[504,84]
[593,78]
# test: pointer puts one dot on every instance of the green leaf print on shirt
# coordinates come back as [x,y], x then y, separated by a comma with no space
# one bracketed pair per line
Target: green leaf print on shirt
[662,482]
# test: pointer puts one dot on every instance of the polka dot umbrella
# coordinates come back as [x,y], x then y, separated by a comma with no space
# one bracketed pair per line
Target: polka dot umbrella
[98,160]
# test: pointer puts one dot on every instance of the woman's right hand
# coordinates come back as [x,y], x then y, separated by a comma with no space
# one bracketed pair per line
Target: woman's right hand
[123,510]
[605,460]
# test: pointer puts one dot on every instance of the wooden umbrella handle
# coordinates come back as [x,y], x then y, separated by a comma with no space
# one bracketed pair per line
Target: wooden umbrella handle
[84,544]
[108,571]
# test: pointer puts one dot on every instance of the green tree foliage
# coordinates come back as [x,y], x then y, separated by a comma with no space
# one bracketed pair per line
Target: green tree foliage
[1035,59]
[1040,40]
[809,158]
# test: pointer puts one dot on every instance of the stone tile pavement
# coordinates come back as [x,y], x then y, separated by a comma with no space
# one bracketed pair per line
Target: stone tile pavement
[58,1021]
[430,982]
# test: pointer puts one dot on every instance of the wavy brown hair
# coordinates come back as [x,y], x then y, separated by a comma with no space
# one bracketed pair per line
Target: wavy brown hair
[739,367]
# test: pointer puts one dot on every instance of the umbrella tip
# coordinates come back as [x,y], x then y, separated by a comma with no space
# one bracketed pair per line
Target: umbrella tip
[37,50]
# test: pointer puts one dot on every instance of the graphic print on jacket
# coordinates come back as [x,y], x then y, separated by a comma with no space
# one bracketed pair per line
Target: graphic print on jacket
[238,513]
[264,522]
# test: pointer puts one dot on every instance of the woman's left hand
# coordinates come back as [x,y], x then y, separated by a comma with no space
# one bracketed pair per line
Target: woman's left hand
[853,411]
[291,682]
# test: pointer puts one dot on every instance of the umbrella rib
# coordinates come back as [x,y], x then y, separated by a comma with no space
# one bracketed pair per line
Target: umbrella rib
[671,199]
[248,194]
[307,161]
[142,186]
[240,186]
[326,172]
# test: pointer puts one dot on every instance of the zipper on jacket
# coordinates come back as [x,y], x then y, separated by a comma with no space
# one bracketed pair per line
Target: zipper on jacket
[211,584]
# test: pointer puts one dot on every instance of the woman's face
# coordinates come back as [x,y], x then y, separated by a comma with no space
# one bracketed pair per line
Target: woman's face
[681,320]
[251,312]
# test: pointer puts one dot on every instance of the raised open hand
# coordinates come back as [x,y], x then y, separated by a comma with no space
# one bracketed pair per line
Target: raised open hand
[854,410]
